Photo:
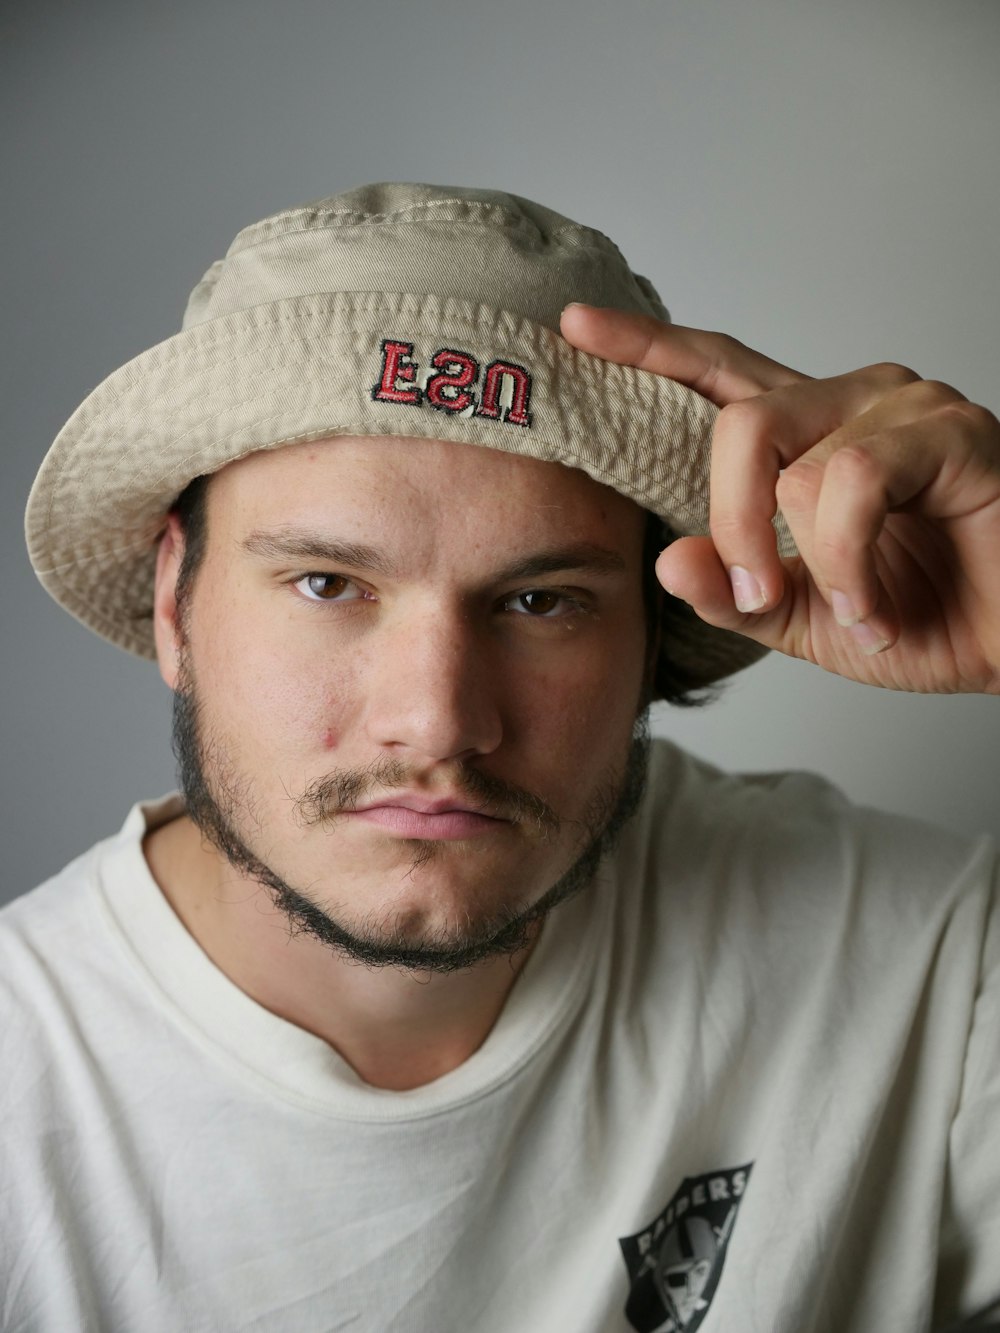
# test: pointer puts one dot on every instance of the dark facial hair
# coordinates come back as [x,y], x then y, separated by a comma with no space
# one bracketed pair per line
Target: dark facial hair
[215,804]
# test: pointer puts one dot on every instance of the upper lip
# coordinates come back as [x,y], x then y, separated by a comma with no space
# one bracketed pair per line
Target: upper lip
[425,805]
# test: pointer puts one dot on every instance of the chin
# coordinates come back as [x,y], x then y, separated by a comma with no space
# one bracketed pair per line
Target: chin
[435,891]
[433,910]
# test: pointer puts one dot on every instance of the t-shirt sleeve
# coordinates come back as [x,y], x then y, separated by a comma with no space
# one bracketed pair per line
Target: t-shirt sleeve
[969,1268]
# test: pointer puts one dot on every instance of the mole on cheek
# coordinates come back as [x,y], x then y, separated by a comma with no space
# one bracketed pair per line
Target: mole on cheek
[329,739]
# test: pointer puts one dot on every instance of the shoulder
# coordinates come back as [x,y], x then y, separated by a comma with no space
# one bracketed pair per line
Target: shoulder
[54,901]
[37,920]
[794,837]
[47,938]
[57,940]
[685,793]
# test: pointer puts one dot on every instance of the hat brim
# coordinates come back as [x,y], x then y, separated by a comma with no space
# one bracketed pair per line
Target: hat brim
[305,368]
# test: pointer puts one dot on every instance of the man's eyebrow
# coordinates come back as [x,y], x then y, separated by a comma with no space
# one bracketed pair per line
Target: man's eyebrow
[301,544]
[585,556]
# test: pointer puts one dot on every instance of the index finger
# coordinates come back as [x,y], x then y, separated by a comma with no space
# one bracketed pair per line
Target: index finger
[713,364]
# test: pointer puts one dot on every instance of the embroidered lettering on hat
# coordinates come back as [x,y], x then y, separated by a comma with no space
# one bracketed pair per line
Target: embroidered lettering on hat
[453,388]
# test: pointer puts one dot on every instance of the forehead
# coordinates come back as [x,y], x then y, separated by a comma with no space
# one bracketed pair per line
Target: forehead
[447,488]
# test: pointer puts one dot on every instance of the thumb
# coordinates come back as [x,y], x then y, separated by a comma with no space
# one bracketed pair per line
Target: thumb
[690,569]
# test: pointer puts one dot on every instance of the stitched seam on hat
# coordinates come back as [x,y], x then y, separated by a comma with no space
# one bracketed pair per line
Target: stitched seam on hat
[202,422]
[270,227]
[411,210]
[352,217]
[208,335]
[212,336]
[415,210]
[275,318]
[116,400]
[566,455]
[579,241]
[208,338]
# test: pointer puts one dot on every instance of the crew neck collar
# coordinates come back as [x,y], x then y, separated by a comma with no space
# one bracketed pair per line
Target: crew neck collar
[293,1063]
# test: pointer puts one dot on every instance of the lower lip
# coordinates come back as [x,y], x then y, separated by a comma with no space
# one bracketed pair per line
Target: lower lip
[449,825]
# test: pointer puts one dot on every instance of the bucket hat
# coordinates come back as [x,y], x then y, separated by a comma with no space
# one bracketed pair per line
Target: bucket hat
[394,309]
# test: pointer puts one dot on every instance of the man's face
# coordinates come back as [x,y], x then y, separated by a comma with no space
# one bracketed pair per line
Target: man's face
[408,682]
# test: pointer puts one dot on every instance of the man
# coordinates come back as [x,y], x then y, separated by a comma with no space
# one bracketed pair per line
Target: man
[310,1048]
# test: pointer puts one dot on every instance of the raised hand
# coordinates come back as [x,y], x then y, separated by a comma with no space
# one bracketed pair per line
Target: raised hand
[889,483]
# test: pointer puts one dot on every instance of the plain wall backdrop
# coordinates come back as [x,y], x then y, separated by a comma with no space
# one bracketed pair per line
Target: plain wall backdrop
[820,180]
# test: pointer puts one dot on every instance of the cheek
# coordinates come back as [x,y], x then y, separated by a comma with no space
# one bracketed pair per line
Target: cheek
[580,723]
[596,690]
[298,714]
[275,703]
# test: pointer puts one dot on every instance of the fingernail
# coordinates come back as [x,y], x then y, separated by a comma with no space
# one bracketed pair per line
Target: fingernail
[868,640]
[843,608]
[746,589]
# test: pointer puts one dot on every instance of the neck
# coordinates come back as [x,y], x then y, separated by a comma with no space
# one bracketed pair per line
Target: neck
[397,1030]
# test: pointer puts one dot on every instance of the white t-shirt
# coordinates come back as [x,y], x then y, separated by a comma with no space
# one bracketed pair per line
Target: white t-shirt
[750,1081]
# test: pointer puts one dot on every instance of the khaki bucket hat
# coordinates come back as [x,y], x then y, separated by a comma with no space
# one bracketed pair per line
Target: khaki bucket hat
[393,309]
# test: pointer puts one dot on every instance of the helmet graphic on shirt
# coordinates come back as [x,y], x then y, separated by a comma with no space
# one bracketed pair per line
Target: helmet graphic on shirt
[684,1266]
[675,1262]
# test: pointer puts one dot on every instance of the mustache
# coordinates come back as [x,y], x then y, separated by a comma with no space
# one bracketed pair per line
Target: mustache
[342,790]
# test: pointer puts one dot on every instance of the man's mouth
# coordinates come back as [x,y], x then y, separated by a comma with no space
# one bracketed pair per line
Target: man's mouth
[412,815]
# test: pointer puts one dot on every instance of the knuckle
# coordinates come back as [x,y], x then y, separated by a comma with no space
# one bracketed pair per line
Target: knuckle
[720,351]
[947,393]
[834,550]
[856,465]
[932,394]
[740,412]
[979,419]
[646,335]
[798,485]
[893,374]
[747,417]
[727,529]
[728,346]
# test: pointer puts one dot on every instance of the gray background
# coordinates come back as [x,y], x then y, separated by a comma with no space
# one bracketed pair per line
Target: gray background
[821,180]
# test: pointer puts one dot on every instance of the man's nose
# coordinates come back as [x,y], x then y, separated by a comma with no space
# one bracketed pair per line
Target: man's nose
[433,687]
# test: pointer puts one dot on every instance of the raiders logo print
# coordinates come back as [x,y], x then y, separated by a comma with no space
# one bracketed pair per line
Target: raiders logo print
[451,384]
[674,1264]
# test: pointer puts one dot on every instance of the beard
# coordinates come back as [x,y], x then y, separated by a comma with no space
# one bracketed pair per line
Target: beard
[219,801]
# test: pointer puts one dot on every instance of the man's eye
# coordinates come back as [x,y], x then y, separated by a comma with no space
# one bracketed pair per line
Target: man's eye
[329,588]
[542,602]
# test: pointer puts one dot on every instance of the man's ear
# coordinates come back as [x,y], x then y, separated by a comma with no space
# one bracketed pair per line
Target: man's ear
[166,622]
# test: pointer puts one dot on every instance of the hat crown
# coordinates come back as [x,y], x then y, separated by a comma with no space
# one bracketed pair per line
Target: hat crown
[482,246]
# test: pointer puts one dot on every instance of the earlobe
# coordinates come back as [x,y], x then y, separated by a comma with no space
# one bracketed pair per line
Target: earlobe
[166,622]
